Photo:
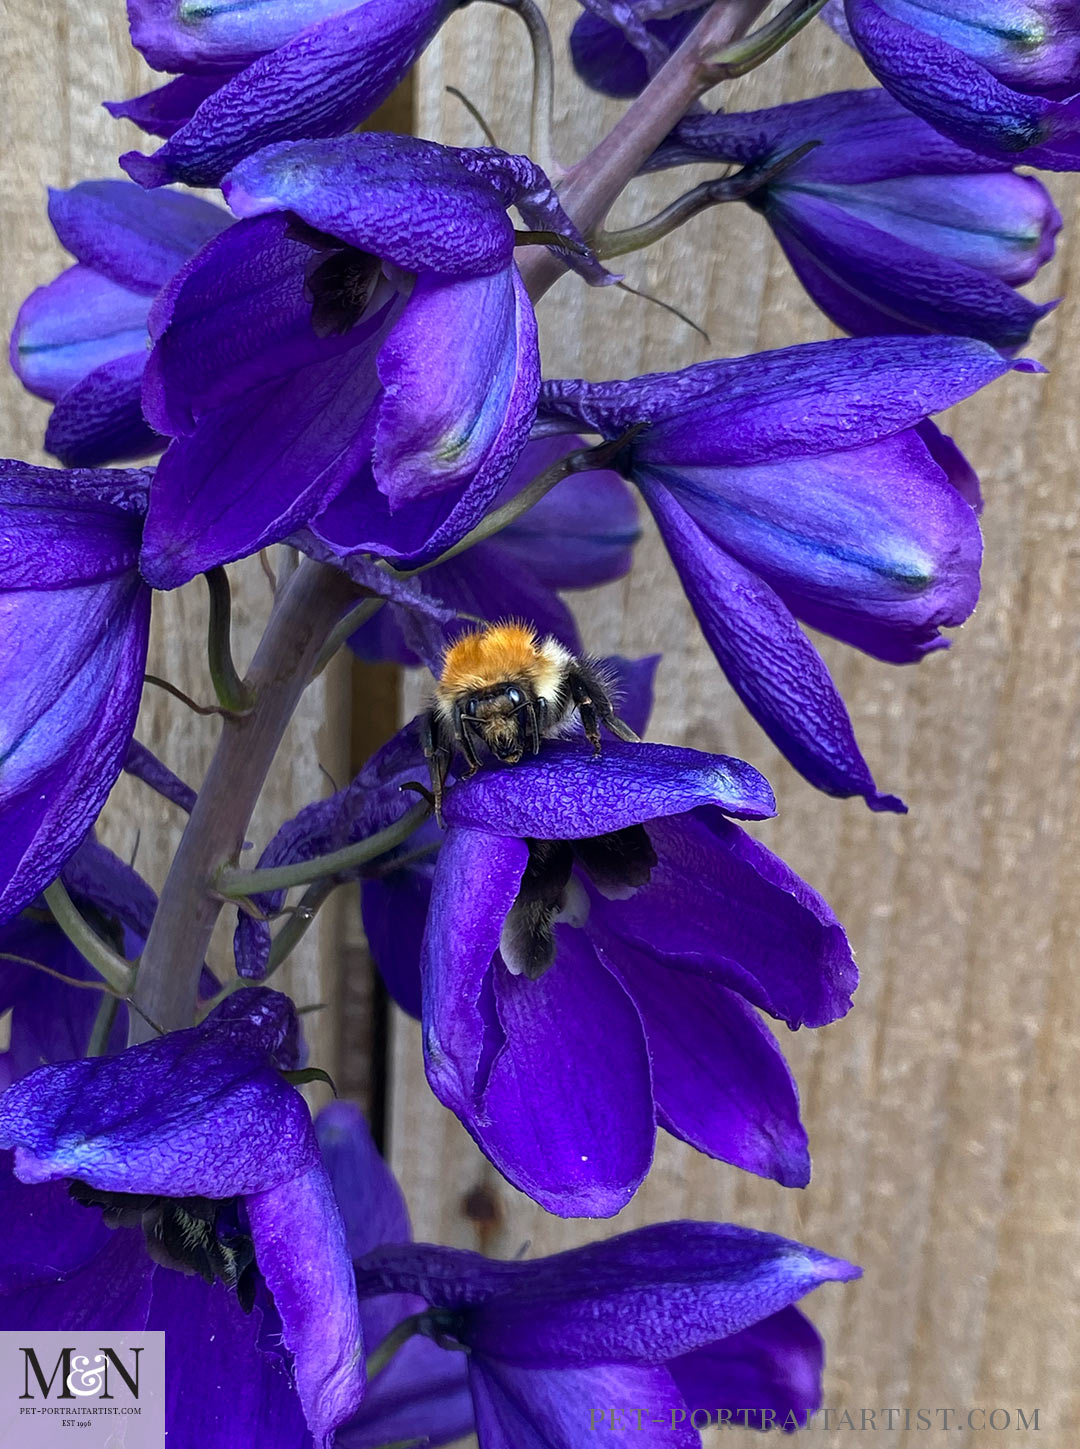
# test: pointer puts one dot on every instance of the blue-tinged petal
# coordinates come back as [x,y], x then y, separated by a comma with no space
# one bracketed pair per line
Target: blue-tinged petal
[300,1246]
[797,401]
[548,1408]
[161,112]
[218,1377]
[566,793]
[959,96]
[719,904]
[321,82]
[73,325]
[67,574]
[775,1365]
[461,372]
[572,1126]
[475,885]
[409,201]
[100,419]
[135,239]
[215,34]
[871,544]
[769,661]
[609,61]
[116,1122]
[719,1078]
[918,287]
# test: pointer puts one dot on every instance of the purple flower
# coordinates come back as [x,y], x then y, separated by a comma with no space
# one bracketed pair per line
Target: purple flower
[375,363]
[655,1331]
[196,1137]
[618,44]
[254,74]
[996,76]
[80,342]
[807,483]
[579,535]
[68,574]
[889,226]
[598,937]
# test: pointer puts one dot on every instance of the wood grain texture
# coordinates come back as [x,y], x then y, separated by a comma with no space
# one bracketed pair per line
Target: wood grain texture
[943,1112]
[57,64]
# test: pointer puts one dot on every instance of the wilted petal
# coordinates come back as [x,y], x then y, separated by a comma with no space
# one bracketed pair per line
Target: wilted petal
[134,239]
[771,664]
[719,904]
[409,201]
[300,1247]
[565,793]
[116,1123]
[774,1365]
[461,370]
[719,1078]
[320,82]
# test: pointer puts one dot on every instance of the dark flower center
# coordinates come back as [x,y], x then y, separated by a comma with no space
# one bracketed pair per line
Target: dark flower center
[617,864]
[190,1234]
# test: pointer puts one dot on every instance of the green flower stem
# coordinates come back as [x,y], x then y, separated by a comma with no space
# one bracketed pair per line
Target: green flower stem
[747,54]
[230,689]
[120,974]
[235,884]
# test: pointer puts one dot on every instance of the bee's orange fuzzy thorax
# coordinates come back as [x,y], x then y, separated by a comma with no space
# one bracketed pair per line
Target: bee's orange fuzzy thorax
[488,657]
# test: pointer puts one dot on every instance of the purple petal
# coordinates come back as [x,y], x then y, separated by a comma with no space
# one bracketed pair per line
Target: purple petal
[570,1125]
[300,1247]
[117,1122]
[775,1365]
[771,664]
[461,370]
[959,96]
[163,111]
[873,545]
[109,1293]
[56,1236]
[566,793]
[632,688]
[409,201]
[395,910]
[476,883]
[134,239]
[546,1408]
[100,419]
[215,35]
[796,402]
[371,1203]
[643,1297]
[720,904]
[145,766]
[953,464]
[217,1375]
[610,62]
[73,325]
[720,1080]
[321,82]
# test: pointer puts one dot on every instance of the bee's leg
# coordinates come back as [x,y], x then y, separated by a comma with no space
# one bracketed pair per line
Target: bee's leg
[465,743]
[589,694]
[437,751]
[532,714]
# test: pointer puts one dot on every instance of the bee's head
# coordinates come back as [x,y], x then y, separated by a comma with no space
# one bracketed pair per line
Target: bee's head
[499,716]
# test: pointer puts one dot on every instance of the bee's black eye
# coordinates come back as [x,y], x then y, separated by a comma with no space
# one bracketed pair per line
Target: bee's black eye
[470,708]
[514,696]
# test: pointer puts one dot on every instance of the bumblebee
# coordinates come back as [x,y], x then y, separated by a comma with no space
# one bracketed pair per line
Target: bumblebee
[501,690]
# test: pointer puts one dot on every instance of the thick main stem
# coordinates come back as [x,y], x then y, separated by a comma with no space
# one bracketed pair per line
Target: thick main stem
[592,186]
[167,984]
